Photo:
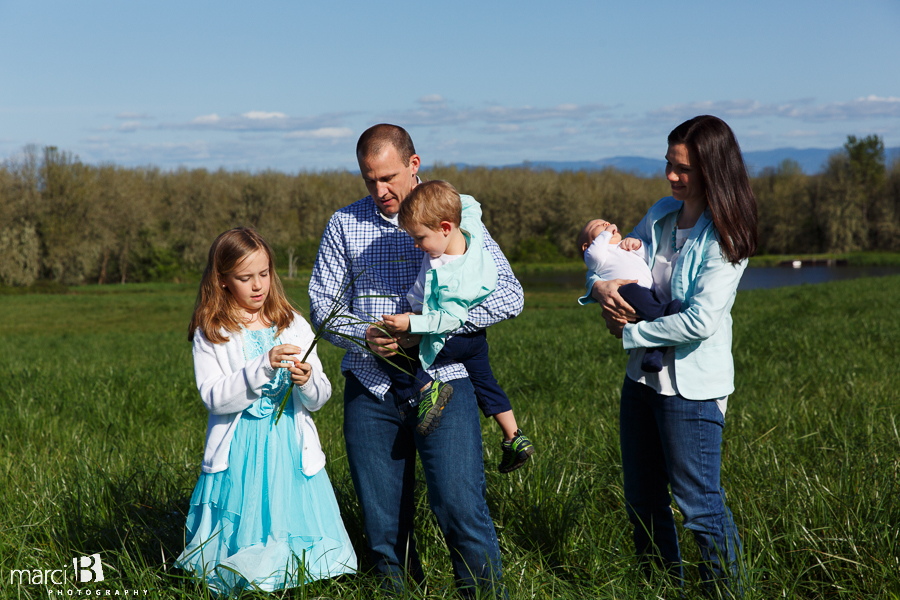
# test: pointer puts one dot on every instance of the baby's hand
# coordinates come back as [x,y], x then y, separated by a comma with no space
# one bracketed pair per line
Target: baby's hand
[300,372]
[630,244]
[396,323]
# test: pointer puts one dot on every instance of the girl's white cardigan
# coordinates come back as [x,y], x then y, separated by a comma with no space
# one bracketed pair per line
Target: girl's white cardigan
[229,384]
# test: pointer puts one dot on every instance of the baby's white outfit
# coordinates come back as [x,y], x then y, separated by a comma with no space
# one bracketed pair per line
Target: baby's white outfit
[610,261]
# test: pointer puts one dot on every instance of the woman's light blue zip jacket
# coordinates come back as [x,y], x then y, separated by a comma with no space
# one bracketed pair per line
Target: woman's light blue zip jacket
[706,283]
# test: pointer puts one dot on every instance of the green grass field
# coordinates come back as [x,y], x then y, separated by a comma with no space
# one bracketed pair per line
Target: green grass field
[103,430]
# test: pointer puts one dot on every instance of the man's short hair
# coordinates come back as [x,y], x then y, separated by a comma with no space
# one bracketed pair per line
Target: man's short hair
[378,137]
[428,204]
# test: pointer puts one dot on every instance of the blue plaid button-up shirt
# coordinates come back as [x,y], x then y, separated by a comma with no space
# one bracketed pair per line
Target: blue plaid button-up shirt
[375,263]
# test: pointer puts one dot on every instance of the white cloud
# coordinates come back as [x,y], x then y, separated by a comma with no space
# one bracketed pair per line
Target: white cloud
[323,133]
[129,126]
[869,107]
[439,113]
[207,119]
[233,154]
[724,108]
[133,116]
[799,133]
[802,110]
[492,134]
[261,115]
[260,121]
[506,114]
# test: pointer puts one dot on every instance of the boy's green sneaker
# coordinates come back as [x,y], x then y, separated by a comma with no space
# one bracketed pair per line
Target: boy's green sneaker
[431,404]
[515,452]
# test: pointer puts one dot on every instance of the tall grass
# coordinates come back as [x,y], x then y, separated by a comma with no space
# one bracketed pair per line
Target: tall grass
[102,435]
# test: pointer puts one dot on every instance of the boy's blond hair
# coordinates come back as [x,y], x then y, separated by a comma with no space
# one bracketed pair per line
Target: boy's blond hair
[428,204]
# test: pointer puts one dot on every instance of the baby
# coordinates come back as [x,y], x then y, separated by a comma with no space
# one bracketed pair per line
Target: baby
[457,274]
[611,257]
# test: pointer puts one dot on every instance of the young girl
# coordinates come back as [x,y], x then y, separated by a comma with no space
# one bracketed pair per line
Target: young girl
[263,514]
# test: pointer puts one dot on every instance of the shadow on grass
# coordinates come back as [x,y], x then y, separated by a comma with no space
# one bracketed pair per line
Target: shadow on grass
[543,519]
[141,514]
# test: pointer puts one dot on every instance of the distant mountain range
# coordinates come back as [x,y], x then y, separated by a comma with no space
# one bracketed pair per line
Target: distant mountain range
[811,160]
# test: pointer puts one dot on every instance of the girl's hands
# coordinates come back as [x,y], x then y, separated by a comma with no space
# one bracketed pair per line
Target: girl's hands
[300,372]
[284,352]
[283,357]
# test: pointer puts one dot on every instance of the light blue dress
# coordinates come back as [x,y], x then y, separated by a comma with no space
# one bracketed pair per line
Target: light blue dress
[262,523]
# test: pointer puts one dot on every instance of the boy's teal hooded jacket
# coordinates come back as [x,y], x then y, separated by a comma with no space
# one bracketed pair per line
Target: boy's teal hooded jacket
[452,289]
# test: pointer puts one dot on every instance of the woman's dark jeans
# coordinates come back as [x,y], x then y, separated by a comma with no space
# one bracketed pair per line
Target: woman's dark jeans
[671,442]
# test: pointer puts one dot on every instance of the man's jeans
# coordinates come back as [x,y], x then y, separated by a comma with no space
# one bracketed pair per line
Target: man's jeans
[671,441]
[381,444]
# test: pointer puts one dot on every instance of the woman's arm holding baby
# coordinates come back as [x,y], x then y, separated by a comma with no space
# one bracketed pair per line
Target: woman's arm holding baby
[616,312]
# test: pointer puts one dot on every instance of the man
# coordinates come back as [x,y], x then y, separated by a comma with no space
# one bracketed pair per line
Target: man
[365,254]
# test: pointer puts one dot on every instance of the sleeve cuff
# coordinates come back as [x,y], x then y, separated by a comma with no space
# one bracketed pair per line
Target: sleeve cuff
[628,341]
[309,385]
[590,280]
[418,324]
[259,372]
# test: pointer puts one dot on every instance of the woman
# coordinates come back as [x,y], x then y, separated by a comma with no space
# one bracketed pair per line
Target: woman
[671,422]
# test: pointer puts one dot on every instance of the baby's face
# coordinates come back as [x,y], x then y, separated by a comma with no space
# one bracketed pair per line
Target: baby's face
[598,226]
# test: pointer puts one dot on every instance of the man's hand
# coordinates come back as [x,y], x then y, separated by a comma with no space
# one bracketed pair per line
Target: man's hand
[630,244]
[408,340]
[380,342]
[396,323]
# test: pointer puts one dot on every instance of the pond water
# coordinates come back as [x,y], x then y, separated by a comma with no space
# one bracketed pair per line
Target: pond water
[753,278]
[772,277]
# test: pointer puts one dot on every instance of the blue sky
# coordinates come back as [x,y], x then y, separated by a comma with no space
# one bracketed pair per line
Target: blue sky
[291,85]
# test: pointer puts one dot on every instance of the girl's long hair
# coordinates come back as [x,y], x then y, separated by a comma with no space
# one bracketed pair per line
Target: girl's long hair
[216,309]
[724,177]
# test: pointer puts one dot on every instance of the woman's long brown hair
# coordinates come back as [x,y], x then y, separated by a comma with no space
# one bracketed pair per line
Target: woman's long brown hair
[216,309]
[725,181]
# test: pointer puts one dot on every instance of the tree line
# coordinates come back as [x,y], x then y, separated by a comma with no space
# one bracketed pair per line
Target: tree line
[70,222]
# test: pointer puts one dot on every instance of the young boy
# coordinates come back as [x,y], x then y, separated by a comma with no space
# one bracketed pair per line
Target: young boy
[611,257]
[456,275]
